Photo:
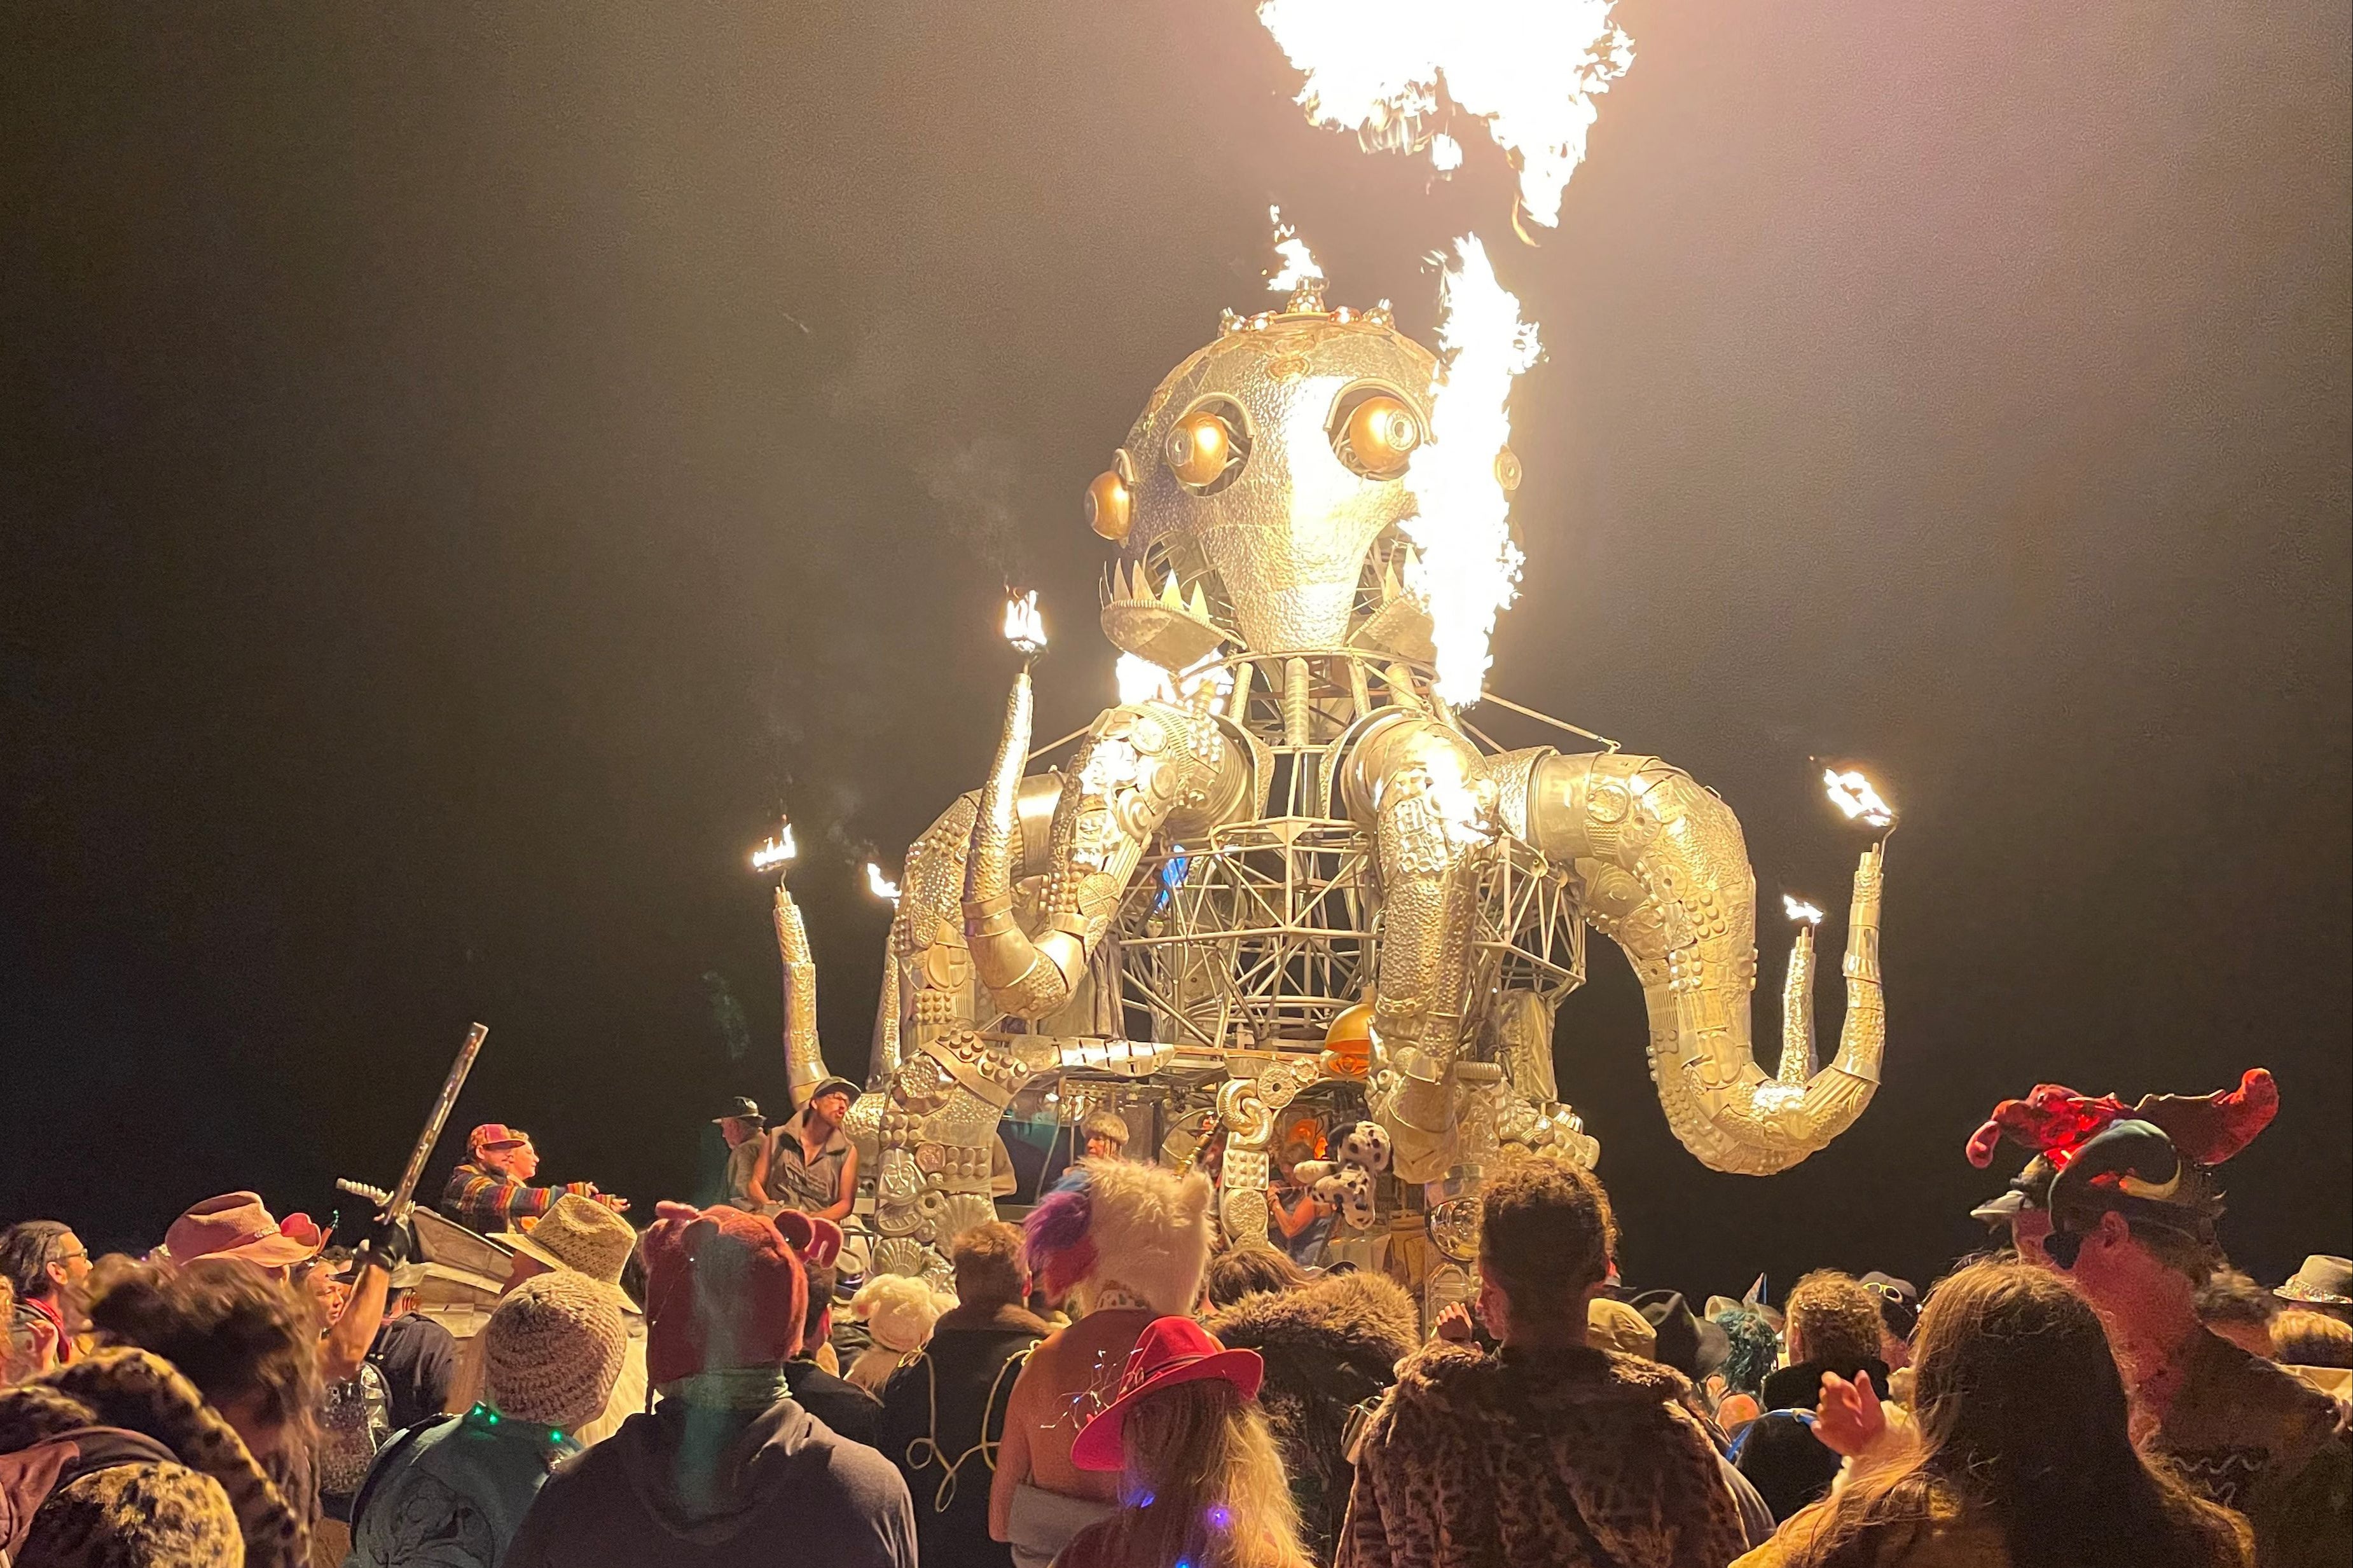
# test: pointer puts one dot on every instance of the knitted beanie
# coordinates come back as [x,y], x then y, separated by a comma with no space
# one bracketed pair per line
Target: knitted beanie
[553,1351]
[723,1289]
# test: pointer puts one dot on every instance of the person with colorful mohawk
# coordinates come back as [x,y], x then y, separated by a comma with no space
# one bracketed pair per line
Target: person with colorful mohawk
[2123,1200]
[1124,1244]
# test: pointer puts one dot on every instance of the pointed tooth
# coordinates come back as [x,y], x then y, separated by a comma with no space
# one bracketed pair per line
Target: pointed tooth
[1200,604]
[1171,595]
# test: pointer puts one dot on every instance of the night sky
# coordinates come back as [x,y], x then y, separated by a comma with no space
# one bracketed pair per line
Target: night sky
[463,469]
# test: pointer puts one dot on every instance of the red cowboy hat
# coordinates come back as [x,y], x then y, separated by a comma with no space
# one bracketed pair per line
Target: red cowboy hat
[1170,1351]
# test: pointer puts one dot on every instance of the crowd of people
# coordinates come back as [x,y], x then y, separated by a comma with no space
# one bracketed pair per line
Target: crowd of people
[1108,1384]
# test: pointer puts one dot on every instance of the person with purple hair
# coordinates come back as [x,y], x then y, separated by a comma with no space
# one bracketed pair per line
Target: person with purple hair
[1124,1244]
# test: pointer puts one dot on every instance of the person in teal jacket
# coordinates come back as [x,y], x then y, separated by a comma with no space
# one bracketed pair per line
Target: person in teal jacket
[451,1491]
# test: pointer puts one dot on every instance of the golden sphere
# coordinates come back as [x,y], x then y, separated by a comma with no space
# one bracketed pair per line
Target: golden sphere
[1380,434]
[1109,506]
[1199,448]
[1348,1043]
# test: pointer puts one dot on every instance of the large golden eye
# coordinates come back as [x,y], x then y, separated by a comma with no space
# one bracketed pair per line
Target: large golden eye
[1206,448]
[1109,506]
[1374,432]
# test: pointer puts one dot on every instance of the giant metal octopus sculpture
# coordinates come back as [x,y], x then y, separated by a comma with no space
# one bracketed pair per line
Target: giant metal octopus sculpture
[1296,871]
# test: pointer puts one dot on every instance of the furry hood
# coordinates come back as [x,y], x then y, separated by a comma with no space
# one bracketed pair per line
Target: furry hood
[1361,1318]
[145,1394]
[1114,1226]
[1539,1388]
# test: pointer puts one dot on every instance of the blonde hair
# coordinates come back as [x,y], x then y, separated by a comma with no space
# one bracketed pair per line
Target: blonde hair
[1203,1485]
[2301,1337]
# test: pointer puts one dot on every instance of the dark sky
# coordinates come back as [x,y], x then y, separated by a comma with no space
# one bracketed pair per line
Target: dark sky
[465,467]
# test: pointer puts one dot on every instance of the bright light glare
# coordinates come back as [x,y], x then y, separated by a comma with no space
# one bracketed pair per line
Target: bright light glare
[778,850]
[1300,267]
[879,885]
[1467,569]
[1800,911]
[1852,794]
[1025,628]
[1530,68]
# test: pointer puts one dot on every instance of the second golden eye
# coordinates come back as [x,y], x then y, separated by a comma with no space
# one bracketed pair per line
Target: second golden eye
[1208,446]
[1378,437]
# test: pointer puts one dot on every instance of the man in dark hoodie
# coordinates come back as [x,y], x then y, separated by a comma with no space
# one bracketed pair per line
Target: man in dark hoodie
[728,1470]
[1546,1453]
[1328,1345]
[1835,1325]
[943,1412]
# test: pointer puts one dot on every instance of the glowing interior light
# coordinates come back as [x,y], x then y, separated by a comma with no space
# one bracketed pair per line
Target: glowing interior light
[1445,154]
[1466,568]
[1300,267]
[1800,911]
[776,852]
[1025,628]
[1852,794]
[1140,681]
[879,885]
[1530,69]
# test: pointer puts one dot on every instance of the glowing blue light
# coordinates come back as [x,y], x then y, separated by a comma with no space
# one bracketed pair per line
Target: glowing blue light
[1219,1519]
[1172,877]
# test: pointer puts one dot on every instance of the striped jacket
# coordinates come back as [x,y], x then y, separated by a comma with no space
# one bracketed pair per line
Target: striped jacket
[485,1201]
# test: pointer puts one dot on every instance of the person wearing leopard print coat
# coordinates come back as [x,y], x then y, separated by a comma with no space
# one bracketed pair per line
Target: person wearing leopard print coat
[1546,1453]
[189,1497]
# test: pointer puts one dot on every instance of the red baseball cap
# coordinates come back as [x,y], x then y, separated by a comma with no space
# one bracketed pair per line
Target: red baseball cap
[1169,1352]
[496,1135]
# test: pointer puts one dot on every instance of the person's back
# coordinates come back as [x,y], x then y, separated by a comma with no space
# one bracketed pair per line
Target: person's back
[1834,1327]
[451,1492]
[1546,1453]
[2252,1437]
[694,1486]
[1125,1244]
[728,1470]
[944,1414]
[1072,1368]
[2021,1456]
[1567,1456]
[448,1492]
[1328,1346]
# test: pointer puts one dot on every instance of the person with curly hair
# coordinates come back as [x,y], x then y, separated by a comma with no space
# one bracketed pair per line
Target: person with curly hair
[1834,1326]
[2021,1454]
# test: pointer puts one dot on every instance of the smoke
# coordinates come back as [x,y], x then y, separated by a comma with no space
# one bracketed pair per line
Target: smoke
[897,381]
[974,483]
[727,1015]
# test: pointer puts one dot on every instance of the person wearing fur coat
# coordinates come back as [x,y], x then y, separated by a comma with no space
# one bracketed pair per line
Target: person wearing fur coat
[1547,1453]
[1329,1345]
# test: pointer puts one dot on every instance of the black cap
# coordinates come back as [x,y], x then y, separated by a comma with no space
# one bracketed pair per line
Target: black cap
[831,1085]
[1899,1302]
[740,1110]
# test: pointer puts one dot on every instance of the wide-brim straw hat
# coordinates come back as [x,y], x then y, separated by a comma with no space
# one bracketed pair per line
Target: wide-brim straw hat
[581,1236]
